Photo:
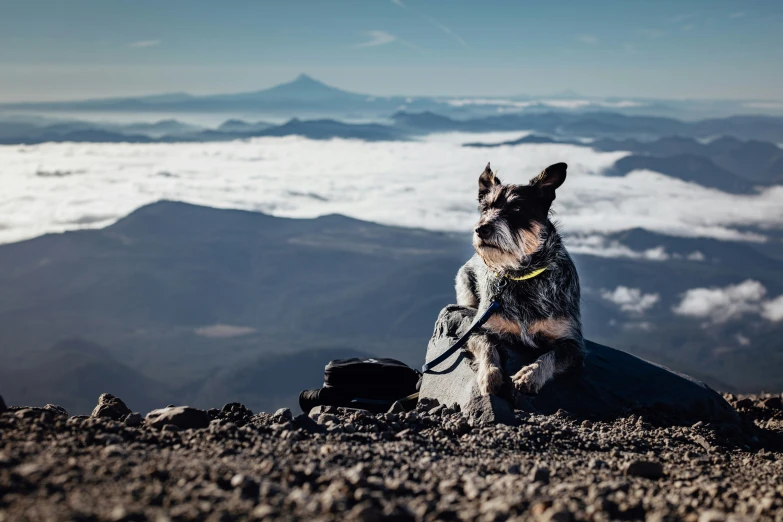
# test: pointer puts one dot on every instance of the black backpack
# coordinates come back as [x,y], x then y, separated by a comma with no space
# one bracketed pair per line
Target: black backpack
[372,384]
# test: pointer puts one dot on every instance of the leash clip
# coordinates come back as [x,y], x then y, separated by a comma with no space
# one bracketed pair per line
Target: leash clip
[500,284]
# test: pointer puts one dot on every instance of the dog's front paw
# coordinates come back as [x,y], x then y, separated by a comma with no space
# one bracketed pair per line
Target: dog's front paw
[528,379]
[490,380]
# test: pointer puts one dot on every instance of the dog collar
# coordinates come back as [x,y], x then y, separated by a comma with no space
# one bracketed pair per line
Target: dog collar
[529,275]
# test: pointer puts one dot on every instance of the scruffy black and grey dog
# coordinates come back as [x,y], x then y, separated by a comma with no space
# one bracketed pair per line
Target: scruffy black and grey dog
[514,240]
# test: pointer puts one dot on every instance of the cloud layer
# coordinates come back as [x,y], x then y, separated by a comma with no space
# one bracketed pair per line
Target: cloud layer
[429,184]
[719,305]
[631,300]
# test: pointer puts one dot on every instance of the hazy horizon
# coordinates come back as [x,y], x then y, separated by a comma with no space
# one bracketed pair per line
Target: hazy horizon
[664,50]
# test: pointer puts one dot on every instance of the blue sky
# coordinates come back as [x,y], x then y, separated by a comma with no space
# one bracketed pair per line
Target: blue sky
[66,49]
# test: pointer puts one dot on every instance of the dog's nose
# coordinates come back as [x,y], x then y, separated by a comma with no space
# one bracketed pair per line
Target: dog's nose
[484,231]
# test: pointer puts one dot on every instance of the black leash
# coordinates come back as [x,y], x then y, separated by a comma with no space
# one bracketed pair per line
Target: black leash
[494,306]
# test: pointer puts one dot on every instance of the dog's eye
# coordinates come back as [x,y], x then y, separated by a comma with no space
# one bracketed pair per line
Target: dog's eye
[516,209]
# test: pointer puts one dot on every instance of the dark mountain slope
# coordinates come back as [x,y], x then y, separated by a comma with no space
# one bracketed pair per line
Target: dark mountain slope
[693,169]
[191,297]
[73,371]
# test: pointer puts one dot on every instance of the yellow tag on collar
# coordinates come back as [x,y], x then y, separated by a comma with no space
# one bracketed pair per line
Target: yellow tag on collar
[529,275]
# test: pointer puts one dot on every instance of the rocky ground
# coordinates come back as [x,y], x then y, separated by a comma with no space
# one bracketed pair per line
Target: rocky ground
[428,464]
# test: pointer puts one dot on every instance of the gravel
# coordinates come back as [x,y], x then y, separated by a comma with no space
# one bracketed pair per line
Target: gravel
[429,464]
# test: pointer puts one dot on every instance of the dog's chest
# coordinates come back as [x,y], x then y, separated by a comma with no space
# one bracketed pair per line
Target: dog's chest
[526,311]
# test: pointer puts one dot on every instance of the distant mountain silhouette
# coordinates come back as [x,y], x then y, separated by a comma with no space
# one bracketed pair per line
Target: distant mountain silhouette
[302,88]
[530,138]
[569,125]
[753,160]
[216,304]
[157,129]
[726,163]
[687,167]
[324,129]
[230,130]
[79,136]
[239,126]
[303,95]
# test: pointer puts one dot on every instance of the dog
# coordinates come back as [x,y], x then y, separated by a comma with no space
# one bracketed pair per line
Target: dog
[519,249]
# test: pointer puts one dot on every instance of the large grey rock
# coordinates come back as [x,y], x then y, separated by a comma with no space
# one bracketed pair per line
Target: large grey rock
[453,380]
[111,407]
[183,417]
[612,383]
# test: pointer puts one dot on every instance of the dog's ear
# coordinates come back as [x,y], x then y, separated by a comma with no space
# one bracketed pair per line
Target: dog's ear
[551,178]
[487,180]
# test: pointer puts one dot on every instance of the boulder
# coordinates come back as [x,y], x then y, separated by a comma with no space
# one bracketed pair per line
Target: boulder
[611,384]
[183,417]
[111,407]
[453,380]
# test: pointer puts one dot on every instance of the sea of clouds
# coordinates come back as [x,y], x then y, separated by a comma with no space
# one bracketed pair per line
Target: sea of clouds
[429,183]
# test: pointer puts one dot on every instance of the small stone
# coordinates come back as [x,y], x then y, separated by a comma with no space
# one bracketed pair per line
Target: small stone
[29,413]
[540,474]
[57,410]
[554,514]
[426,404]
[245,485]
[262,512]
[183,417]
[438,410]
[712,515]
[597,464]
[316,411]
[113,450]
[514,469]
[397,407]
[364,512]
[489,409]
[307,424]
[538,508]
[773,403]
[644,468]
[283,415]
[111,407]
[133,420]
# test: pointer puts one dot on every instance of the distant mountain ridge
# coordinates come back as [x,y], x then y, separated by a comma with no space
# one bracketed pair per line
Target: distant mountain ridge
[306,96]
[598,125]
[736,144]
[727,163]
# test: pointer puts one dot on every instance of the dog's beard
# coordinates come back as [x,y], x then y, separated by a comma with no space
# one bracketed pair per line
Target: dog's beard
[507,249]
